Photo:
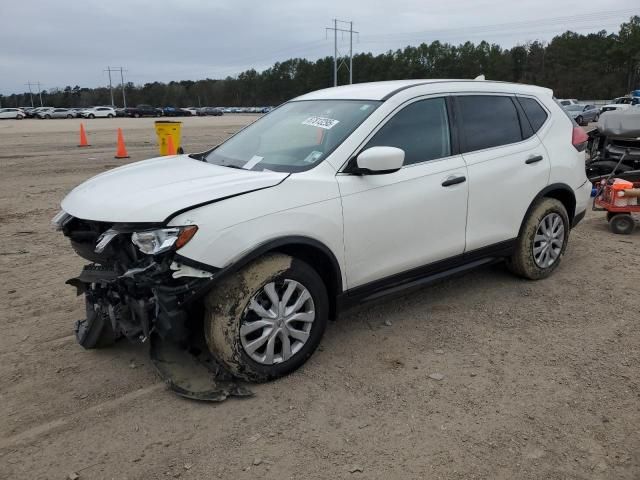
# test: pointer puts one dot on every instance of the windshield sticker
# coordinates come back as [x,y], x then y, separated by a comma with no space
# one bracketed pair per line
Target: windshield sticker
[321,122]
[253,162]
[312,157]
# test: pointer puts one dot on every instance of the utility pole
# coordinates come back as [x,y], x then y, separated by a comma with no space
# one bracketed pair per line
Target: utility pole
[351,32]
[110,86]
[30,93]
[124,98]
[336,67]
[39,92]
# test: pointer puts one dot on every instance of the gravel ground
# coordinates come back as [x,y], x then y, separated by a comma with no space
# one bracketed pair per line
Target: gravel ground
[485,376]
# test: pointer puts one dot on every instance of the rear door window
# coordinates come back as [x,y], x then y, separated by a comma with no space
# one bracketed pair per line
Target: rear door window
[488,121]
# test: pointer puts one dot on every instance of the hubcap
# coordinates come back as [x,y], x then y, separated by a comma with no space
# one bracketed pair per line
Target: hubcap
[277,322]
[548,241]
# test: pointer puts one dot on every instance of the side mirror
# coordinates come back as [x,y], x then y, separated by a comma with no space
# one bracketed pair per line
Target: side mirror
[378,160]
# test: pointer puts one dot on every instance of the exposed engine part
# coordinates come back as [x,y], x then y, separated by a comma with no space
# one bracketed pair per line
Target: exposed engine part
[147,298]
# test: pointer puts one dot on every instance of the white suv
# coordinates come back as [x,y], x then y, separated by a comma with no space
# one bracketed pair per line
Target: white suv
[338,196]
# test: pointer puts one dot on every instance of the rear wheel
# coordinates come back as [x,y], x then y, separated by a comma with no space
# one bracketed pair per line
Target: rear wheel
[267,319]
[136,115]
[69,116]
[110,115]
[622,224]
[579,120]
[542,241]
[47,116]
[597,117]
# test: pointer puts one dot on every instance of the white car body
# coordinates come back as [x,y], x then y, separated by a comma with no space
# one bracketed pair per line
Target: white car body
[336,197]
[357,219]
[14,113]
[99,112]
[192,110]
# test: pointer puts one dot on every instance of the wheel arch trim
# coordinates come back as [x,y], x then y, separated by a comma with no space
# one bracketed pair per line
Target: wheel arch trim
[274,245]
[554,187]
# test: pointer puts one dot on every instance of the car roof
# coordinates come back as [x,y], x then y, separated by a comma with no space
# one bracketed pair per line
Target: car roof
[386,89]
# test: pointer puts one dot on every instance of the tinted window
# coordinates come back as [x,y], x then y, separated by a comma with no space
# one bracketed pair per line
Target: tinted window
[488,121]
[420,129]
[535,113]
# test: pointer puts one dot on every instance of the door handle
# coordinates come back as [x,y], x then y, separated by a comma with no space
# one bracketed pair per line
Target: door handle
[534,159]
[454,180]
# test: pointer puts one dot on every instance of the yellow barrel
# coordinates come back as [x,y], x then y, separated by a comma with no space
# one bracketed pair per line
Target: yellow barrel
[166,129]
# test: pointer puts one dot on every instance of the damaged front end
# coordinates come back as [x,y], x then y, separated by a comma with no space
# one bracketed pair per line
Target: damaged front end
[138,287]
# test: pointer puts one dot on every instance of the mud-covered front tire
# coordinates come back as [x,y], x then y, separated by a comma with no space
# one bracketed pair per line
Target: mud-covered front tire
[267,319]
[545,230]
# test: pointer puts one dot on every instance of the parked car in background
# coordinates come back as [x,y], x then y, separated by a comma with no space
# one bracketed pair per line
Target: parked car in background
[57,113]
[583,114]
[210,111]
[268,235]
[143,110]
[175,112]
[620,103]
[14,113]
[120,112]
[45,112]
[192,110]
[99,112]
[567,101]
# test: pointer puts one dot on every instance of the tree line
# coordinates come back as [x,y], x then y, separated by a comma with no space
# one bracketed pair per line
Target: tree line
[593,66]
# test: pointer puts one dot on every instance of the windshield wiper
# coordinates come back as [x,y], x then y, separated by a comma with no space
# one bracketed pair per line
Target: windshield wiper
[233,166]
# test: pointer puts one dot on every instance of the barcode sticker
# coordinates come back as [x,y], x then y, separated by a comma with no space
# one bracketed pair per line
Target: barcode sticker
[321,122]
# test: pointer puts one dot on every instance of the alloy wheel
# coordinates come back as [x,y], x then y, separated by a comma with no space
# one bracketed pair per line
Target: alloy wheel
[548,240]
[277,322]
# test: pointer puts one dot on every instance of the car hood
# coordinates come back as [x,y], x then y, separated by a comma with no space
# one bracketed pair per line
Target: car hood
[152,190]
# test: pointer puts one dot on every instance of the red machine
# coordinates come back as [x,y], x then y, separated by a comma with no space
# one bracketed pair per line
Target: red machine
[619,198]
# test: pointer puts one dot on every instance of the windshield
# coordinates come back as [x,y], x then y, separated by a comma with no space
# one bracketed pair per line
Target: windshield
[293,138]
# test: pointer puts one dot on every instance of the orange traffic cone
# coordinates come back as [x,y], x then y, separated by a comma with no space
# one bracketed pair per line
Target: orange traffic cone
[122,150]
[171,148]
[83,137]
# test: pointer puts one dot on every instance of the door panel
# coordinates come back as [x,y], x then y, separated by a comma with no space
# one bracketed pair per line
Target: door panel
[402,220]
[507,165]
[501,187]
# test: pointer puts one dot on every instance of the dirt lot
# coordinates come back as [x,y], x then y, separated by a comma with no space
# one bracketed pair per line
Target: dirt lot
[541,379]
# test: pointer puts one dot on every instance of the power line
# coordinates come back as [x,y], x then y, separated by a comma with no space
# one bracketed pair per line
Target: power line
[30,84]
[335,31]
[116,69]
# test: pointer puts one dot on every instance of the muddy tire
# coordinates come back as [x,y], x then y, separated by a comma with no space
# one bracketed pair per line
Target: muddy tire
[542,241]
[266,320]
[95,331]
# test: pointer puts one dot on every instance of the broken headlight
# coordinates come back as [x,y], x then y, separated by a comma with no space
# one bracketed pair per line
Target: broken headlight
[153,242]
[60,220]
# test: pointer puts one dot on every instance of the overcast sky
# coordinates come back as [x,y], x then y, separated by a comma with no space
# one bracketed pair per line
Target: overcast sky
[67,42]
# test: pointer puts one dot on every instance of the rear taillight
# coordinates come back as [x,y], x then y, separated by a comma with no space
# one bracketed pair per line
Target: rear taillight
[579,139]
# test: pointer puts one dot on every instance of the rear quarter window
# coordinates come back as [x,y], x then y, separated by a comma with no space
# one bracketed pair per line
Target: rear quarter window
[534,112]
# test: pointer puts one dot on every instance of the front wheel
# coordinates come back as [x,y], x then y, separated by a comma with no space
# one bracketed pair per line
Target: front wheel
[579,120]
[267,319]
[91,115]
[542,241]
[48,117]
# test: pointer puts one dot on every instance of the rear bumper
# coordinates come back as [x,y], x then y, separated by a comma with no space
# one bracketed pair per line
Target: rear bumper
[583,195]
